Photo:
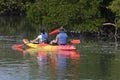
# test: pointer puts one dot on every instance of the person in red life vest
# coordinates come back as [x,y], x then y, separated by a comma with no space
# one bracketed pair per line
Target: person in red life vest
[61,38]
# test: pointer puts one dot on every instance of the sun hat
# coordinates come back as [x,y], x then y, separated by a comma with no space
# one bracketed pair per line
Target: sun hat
[61,29]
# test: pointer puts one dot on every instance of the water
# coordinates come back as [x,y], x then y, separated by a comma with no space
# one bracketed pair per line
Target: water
[93,60]
[42,65]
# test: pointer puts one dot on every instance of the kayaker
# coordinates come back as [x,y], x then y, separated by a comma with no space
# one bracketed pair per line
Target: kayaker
[42,38]
[61,38]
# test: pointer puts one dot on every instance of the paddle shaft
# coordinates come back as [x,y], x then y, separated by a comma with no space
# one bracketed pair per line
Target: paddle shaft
[77,41]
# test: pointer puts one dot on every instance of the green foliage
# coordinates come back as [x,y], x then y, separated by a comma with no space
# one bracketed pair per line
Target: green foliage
[91,25]
[81,15]
[115,7]
[11,7]
[35,12]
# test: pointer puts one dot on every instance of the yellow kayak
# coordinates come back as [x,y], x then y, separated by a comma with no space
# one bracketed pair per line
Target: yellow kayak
[51,47]
[47,47]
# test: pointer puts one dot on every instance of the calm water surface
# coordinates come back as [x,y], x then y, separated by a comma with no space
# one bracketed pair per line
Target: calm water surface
[93,60]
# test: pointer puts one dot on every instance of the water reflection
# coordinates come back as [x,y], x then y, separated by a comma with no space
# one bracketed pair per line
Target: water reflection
[58,65]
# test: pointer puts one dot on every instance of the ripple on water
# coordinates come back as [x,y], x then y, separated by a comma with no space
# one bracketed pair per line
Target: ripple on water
[13,70]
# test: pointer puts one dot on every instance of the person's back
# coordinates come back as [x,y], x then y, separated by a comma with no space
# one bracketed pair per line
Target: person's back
[44,37]
[62,38]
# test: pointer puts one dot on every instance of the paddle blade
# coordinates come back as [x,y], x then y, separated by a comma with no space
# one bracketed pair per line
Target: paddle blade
[75,41]
[25,41]
[54,32]
[18,46]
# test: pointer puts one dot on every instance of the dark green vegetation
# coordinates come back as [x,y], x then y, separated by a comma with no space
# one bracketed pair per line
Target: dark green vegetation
[82,15]
[77,15]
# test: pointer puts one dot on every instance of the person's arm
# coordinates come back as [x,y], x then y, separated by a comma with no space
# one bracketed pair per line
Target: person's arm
[57,38]
[35,40]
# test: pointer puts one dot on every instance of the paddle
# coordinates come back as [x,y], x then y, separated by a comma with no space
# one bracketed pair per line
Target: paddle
[75,41]
[18,46]
[25,41]
[54,32]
